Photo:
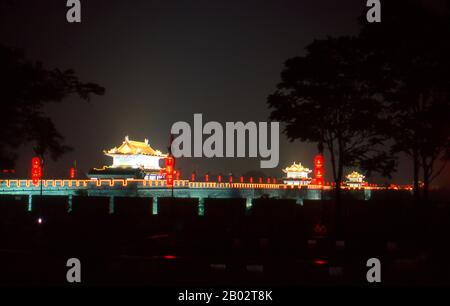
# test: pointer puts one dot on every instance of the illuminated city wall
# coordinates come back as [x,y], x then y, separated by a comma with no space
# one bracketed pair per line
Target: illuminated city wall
[157,189]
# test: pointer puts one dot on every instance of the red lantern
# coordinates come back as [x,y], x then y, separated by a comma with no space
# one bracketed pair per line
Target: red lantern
[36,170]
[193,177]
[73,173]
[318,170]
[170,163]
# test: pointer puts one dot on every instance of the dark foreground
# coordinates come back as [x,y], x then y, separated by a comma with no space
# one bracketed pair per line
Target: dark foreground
[276,243]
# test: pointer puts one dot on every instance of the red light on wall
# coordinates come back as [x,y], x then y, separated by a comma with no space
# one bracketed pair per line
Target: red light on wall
[319,262]
[268,180]
[251,179]
[260,180]
[36,170]
[320,229]
[219,178]
[207,177]
[241,179]
[193,177]
[169,257]
[274,181]
[169,180]
[73,173]
[177,175]
[170,163]
[318,170]
[231,179]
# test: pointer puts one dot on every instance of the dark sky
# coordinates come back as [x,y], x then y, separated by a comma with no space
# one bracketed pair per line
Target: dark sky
[163,61]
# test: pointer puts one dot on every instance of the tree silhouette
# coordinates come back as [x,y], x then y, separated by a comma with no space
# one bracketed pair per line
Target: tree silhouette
[409,61]
[392,81]
[26,87]
[324,99]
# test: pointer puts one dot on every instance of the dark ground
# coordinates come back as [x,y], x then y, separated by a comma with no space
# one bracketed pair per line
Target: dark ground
[276,243]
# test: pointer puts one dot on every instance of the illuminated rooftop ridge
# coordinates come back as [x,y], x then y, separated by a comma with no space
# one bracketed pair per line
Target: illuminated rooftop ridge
[296,168]
[132,147]
[355,175]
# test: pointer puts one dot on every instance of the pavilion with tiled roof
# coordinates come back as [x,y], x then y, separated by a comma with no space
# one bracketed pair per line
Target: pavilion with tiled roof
[132,147]
[132,155]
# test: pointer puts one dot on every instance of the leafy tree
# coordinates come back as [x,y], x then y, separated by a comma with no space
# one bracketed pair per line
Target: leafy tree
[26,87]
[410,68]
[323,98]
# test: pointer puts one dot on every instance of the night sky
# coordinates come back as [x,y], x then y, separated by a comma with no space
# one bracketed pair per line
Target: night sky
[163,61]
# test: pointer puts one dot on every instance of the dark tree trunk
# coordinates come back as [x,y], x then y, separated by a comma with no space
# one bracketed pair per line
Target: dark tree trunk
[416,189]
[426,180]
[426,187]
[338,208]
[338,197]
